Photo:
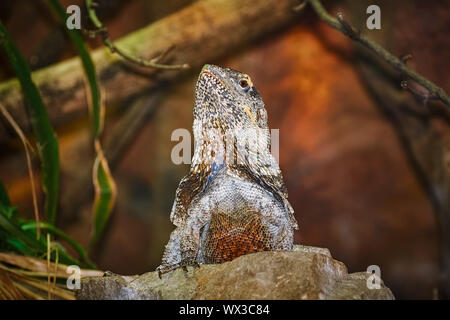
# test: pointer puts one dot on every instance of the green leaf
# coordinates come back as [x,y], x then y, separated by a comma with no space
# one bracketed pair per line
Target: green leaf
[42,129]
[20,246]
[103,181]
[18,235]
[92,15]
[11,227]
[52,229]
[105,191]
[4,198]
[25,242]
[88,64]
[5,203]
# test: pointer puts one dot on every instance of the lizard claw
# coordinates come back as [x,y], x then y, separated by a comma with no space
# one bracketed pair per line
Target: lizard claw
[164,270]
[183,264]
[188,263]
[108,273]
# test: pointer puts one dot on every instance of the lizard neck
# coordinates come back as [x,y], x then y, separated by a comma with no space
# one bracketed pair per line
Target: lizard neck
[217,145]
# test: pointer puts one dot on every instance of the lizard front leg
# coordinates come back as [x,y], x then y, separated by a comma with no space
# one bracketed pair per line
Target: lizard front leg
[199,216]
[189,242]
[183,248]
[190,245]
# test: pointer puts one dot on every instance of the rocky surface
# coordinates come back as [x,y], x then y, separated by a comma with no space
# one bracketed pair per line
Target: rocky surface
[305,273]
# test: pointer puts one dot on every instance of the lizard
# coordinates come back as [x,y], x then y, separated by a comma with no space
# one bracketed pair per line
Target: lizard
[233,201]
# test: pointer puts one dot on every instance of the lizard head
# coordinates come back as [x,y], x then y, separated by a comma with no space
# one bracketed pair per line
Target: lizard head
[226,99]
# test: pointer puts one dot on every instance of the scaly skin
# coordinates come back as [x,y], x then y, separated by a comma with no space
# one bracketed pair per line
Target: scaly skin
[233,201]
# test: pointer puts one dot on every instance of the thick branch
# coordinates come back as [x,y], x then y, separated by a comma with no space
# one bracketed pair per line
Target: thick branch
[394,61]
[200,33]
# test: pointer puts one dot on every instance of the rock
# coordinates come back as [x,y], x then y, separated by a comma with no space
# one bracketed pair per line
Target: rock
[354,287]
[304,273]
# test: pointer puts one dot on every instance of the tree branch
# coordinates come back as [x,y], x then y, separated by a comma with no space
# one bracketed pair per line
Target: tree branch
[103,31]
[341,25]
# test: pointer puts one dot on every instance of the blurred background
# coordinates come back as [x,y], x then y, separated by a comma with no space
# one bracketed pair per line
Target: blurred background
[357,152]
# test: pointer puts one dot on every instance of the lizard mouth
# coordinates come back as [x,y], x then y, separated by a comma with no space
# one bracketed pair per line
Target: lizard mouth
[208,76]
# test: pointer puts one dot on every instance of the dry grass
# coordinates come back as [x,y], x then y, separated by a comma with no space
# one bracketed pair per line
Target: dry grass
[30,278]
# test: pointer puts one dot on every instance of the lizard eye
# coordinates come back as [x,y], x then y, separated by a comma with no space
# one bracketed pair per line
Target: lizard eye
[244,85]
